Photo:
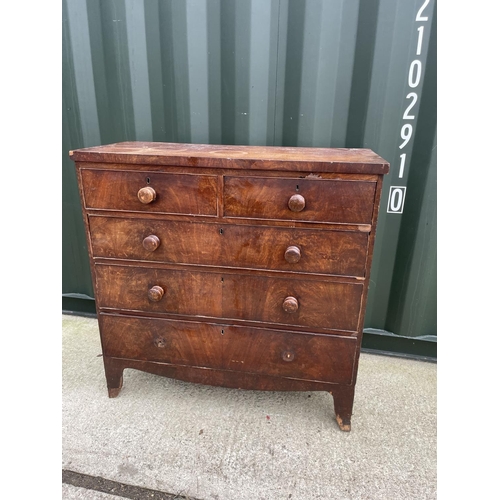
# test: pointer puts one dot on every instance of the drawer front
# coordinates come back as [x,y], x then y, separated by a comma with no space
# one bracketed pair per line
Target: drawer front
[269,352]
[184,292]
[342,201]
[255,247]
[319,304]
[296,250]
[174,193]
[158,241]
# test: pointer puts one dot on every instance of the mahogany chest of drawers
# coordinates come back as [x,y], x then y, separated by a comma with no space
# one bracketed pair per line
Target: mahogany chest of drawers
[239,266]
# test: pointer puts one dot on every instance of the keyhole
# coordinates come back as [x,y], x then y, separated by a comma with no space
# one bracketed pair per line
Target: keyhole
[160,342]
[221,231]
[222,332]
[297,188]
[148,180]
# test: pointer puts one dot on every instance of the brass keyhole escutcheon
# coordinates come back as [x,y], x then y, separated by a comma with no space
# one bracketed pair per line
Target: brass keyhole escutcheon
[160,342]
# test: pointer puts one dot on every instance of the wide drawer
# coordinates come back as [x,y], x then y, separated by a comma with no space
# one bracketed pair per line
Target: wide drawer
[340,201]
[254,247]
[299,302]
[242,349]
[173,193]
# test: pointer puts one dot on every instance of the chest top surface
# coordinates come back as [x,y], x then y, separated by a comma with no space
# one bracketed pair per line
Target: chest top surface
[336,160]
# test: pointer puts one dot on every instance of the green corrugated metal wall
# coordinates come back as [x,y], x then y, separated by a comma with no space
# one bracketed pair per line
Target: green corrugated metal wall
[338,73]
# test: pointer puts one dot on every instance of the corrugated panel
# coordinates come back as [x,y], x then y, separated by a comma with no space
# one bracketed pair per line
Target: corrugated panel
[296,73]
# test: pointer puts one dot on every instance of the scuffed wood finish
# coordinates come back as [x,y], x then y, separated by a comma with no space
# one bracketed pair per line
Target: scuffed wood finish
[355,161]
[240,266]
[324,305]
[175,194]
[349,202]
[209,376]
[243,246]
[315,357]
[185,293]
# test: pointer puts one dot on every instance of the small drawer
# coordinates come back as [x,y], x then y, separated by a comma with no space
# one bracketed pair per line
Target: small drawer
[314,200]
[159,290]
[150,192]
[174,242]
[254,247]
[242,349]
[299,302]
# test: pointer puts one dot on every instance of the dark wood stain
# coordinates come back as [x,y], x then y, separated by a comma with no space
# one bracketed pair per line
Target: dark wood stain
[240,266]
[178,194]
[324,200]
[228,245]
[252,350]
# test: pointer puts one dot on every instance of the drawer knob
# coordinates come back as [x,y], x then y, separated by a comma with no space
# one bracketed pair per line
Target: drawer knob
[151,243]
[146,195]
[288,355]
[296,203]
[291,305]
[155,293]
[292,254]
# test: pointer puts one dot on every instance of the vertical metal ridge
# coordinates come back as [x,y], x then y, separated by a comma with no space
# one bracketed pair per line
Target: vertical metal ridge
[214,72]
[84,75]
[197,62]
[139,72]
[260,72]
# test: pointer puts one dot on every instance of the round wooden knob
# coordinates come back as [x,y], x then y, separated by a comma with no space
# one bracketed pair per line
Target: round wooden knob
[288,355]
[146,195]
[155,293]
[292,254]
[296,203]
[151,243]
[291,305]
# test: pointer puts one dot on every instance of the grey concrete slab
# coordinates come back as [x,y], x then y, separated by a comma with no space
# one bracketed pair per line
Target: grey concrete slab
[70,492]
[226,444]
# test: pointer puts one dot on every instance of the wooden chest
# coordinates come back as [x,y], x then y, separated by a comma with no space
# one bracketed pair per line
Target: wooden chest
[238,266]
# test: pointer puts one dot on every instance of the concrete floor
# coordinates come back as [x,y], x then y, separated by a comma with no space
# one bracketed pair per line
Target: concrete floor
[213,443]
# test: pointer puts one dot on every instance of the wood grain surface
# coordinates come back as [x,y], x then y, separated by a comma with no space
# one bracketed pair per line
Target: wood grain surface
[359,161]
[322,304]
[242,349]
[325,200]
[177,194]
[255,247]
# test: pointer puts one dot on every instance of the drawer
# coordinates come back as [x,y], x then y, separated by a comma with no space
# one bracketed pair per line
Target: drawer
[242,349]
[254,247]
[173,193]
[315,200]
[184,292]
[316,304]
[298,302]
